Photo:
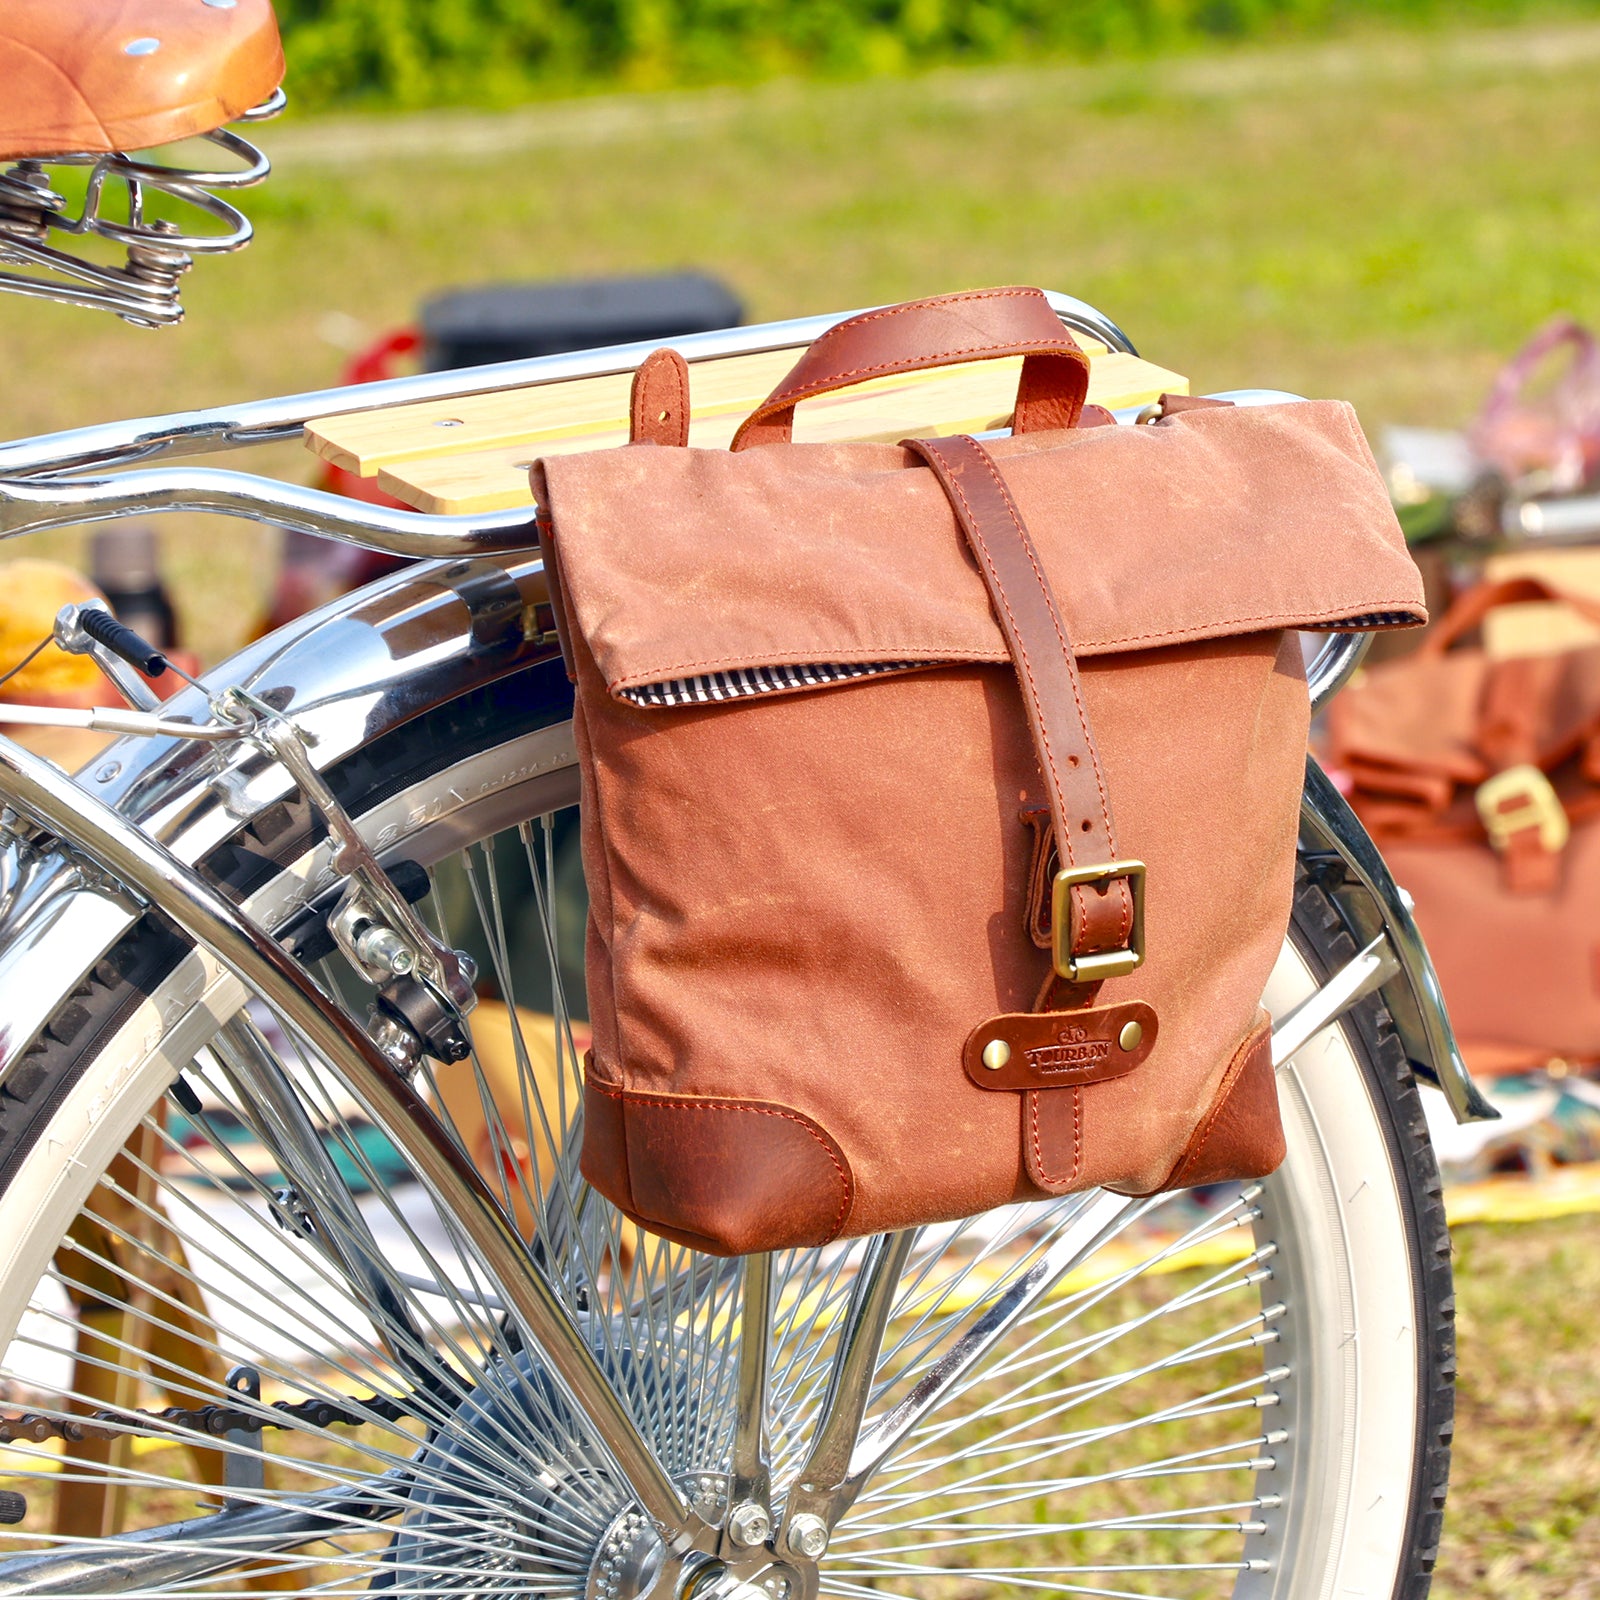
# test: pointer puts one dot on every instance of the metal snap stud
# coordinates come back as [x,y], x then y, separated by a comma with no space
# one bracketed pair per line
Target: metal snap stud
[995,1054]
[1131,1036]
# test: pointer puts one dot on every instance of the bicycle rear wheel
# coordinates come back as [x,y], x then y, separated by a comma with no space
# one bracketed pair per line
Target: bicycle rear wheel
[1244,1390]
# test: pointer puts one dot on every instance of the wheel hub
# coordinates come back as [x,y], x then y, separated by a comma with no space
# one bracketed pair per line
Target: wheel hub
[629,1559]
[632,1562]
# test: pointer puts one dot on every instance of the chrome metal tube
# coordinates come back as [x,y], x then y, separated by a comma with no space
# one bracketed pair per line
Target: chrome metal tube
[40,791]
[1355,980]
[1554,521]
[27,506]
[1100,1216]
[1333,666]
[750,1481]
[1375,904]
[263,1088]
[107,719]
[820,1490]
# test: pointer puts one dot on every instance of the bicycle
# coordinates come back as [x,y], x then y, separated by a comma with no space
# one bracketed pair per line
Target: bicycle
[388,1365]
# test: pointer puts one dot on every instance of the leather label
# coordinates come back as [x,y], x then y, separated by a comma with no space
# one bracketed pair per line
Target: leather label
[1059,1049]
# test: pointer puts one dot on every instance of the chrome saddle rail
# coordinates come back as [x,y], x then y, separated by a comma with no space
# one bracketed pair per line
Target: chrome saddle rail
[144,290]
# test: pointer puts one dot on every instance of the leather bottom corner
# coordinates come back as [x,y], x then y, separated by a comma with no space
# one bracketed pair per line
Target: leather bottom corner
[728,1177]
[1241,1134]
[603,1160]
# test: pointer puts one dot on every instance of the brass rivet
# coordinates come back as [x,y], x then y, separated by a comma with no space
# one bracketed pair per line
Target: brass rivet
[995,1054]
[1131,1036]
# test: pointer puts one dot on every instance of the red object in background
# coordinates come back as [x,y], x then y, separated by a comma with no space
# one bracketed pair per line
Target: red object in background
[380,360]
[315,571]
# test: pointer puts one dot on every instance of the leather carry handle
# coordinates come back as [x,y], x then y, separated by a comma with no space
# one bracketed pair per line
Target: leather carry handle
[1469,611]
[1103,918]
[979,325]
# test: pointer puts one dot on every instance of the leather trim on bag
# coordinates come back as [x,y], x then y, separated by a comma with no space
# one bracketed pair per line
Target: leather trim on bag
[726,1176]
[946,330]
[604,1158]
[1043,864]
[1052,1126]
[1173,405]
[1053,1049]
[1047,672]
[1241,1135]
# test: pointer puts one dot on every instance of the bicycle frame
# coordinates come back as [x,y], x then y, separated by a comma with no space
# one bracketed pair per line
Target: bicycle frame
[459,611]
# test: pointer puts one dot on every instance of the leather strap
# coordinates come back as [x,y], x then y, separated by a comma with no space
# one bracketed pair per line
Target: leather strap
[1047,671]
[1476,604]
[976,326]
[658,402]
[1173,405]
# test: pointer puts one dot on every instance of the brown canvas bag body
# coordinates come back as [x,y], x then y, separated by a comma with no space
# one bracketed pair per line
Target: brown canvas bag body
[840,708]
[1480,781]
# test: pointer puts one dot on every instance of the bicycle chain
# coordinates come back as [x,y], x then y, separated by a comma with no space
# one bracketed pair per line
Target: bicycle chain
[214,1420]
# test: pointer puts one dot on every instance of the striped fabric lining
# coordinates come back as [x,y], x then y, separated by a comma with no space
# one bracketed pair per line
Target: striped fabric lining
[1378,619]
[706,687]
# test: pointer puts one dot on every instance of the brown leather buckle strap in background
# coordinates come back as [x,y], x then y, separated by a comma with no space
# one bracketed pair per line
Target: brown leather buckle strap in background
[1101,894]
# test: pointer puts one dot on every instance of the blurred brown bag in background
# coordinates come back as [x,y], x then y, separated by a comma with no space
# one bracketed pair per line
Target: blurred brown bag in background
[1479,778]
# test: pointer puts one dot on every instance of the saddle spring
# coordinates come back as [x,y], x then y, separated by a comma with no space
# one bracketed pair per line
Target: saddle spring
[143,288]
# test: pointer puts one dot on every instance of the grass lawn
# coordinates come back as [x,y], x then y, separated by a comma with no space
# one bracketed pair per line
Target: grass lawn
[1525,1492]
[1384,218]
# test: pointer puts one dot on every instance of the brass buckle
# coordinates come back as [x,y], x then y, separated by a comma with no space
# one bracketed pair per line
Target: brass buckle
[1521,798]
[1064,923]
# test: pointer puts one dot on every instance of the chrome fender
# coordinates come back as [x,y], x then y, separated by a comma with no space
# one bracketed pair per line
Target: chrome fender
[346,673]
[1375,905]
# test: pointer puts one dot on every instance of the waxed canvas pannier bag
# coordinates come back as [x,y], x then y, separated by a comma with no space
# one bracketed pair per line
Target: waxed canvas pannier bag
[1479,778]
[939,801]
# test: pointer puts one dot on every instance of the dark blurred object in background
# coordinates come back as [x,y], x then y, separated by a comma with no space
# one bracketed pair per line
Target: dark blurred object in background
[125,566]
[513,321]
[475,327]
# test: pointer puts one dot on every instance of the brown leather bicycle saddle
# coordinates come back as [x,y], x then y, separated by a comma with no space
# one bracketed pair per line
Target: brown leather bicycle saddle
[78,75]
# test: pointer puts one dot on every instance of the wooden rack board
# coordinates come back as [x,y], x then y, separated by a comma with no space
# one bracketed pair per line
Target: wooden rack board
[472,454]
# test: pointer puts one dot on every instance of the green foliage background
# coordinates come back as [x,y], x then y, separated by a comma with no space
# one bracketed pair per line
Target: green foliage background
[492,52]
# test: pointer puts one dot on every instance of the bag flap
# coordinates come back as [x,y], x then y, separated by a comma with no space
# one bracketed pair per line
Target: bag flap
[1212,522]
